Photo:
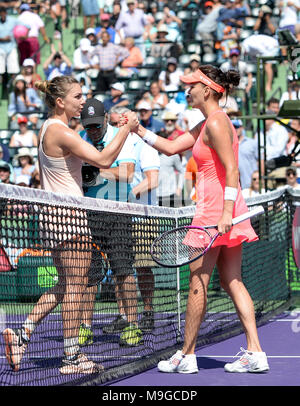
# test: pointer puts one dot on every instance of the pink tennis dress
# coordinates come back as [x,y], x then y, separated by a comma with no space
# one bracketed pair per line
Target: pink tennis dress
[210,186]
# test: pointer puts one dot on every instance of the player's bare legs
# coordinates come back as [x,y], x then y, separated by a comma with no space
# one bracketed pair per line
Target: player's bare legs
[200,273]
[229,267]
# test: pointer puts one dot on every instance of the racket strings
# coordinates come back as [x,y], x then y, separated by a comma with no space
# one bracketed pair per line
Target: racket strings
[181,245]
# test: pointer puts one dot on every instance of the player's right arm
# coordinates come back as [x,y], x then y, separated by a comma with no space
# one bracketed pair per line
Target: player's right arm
[168,147]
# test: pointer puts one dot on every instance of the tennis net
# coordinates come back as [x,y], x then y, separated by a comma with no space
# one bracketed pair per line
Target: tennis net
[45,235]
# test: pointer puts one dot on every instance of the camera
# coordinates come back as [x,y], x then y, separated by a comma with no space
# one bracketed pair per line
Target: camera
[90,175]
[279,162]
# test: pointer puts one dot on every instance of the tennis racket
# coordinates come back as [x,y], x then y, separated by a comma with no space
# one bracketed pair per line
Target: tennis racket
[183,245]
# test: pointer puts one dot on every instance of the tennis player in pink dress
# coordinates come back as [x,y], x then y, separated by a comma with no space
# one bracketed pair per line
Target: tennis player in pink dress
[215,149]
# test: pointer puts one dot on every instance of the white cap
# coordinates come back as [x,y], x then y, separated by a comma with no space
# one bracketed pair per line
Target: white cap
[28,62]
[85,44]
[89,31]
[144,106]
[118,86]
[169,115]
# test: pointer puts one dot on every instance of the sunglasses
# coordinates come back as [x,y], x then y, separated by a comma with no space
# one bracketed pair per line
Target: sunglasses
[93,127]
[254,178]
[291,174]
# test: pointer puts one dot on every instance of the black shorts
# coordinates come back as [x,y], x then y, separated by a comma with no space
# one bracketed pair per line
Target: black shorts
[112,236]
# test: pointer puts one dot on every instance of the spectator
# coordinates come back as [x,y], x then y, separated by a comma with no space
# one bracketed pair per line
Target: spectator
[262,45]
[25,167]
[169,79]
[9,58]
[107,26]
[234,63]
[4,153]
[132,23]
[231,15]
[105,58]
[56,14]
[276,138]
[273,105]
[29,72]
[90,11]
[82,62]
[147,119]
[22,100]
[207,26]
[294,134]
[82,55]
[116,11]
[117,91]
[30,47]
[57,64]
[253,190]
[157,99]
[289,14]
[142,190]
[293,91]
[291,178]
[173,24]
[265,24]
[248,154]
[230,21]
[35,181]
[172,129]
[90,34]
[171,180]
[23,137]
[193,65]
[161,45]
[5,173]
[130,65]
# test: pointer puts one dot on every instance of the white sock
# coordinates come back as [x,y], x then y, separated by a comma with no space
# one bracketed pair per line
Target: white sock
[30,326]
[71,346]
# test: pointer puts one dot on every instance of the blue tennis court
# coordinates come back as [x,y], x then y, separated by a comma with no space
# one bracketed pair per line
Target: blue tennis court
[279,338]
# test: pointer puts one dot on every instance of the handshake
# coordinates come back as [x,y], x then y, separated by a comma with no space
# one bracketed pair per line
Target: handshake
[130,119]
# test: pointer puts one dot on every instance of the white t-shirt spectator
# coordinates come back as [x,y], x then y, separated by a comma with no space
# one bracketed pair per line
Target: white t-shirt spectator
[147,158]
[289,14]
[33,21]
[276,140]
[173,86]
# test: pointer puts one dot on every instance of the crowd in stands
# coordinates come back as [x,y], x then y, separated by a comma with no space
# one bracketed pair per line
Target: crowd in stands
[131,54]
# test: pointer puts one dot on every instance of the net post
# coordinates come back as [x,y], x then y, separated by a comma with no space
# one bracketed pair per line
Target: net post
[178,292]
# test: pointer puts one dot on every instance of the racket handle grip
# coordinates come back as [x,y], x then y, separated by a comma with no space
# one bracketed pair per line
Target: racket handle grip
[252,213]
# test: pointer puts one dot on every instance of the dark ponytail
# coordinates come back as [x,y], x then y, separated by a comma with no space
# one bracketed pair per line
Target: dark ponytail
[229,80]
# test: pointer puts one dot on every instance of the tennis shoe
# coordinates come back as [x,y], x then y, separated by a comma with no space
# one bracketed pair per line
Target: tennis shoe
[15,346]
[146,323]
[254,362]
[183,364]
[86,336]
[80,364]
[116,326]
[131,336]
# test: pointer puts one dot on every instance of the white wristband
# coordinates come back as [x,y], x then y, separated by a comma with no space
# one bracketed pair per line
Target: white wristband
[150,138]
[230,193]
